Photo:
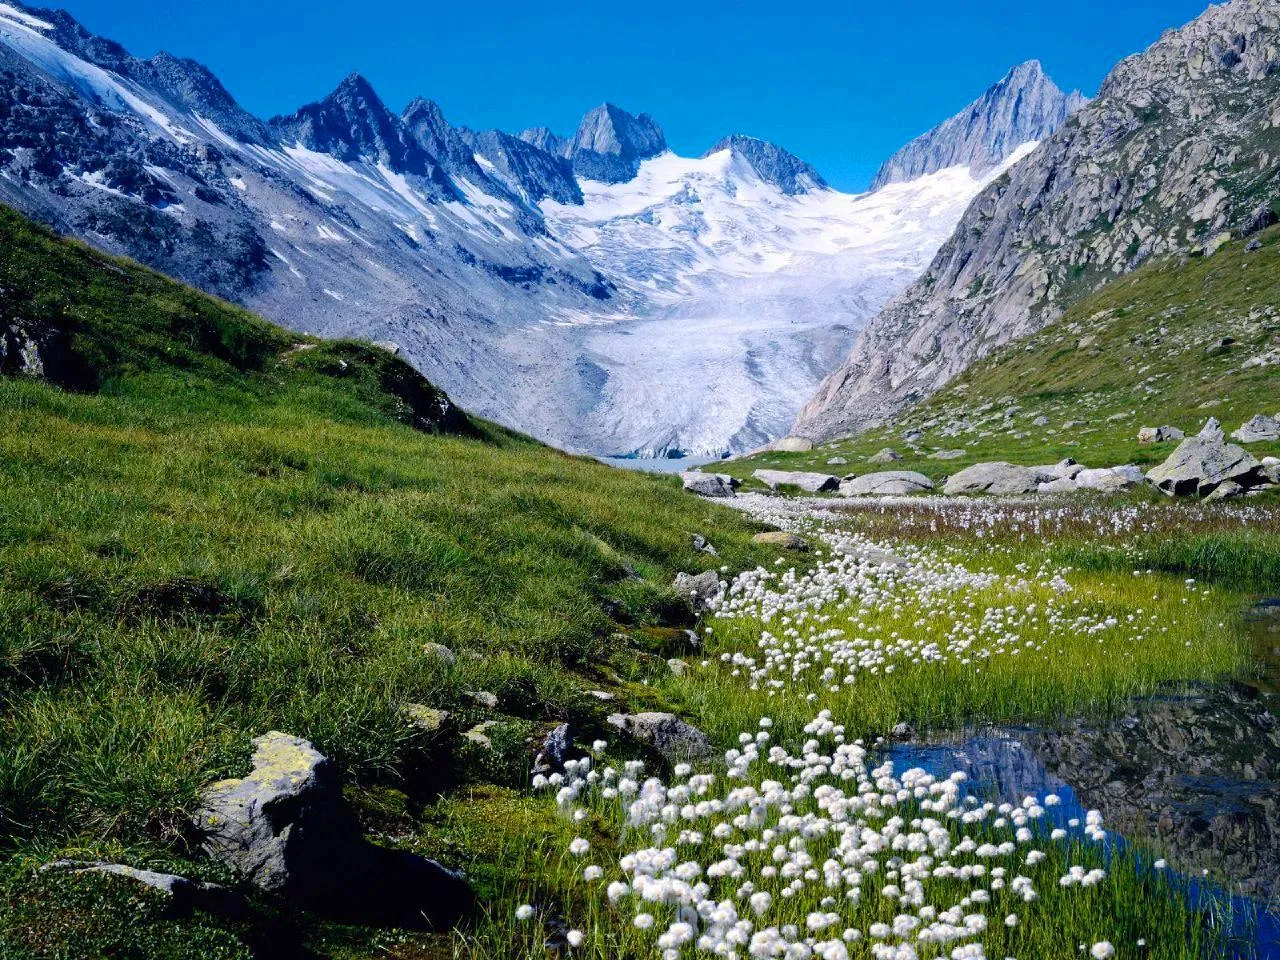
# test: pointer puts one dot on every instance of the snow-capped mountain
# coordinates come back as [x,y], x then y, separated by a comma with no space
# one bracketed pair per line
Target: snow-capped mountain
[596,291]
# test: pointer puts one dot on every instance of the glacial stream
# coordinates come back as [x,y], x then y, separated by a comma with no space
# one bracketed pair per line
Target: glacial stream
[1192,778]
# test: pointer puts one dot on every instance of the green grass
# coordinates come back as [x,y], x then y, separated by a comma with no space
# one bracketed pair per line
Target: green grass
[210,528]
[1140,350]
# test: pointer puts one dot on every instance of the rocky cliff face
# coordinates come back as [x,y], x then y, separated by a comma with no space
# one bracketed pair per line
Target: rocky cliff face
[1024,106]
[611,143]
[1181,146]
[773,165]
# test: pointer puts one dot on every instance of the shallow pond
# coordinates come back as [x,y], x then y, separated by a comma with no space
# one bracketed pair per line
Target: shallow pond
[1193,778]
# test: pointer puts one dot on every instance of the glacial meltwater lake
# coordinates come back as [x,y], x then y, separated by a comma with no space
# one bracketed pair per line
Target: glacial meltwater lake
[1191,777]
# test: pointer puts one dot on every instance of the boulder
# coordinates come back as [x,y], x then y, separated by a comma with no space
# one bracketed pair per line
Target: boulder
[1059,485]
[1270,472]
[1225,491]
[793,445]
[1160,434]
[703,545]
[287,830]
[426,719]
[780,538]
[1105,481]
[1200,465]
[947,455]
[809,482]
[1258,430]
[837,462]
[1132,472]
[893,483]
[1212,430]
[666,733]
[995,478]
[887,455]
[700,589]
[710,484]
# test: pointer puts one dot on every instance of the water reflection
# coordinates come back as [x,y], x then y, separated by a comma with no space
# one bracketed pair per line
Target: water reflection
[1194,777]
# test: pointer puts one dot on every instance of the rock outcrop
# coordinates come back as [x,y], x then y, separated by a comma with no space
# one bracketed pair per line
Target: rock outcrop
[1200,465]
[1173,153]
[1024,106]
[666,733]
[809,482]
[891,483]
[287,830]
[710,484]
[993,478]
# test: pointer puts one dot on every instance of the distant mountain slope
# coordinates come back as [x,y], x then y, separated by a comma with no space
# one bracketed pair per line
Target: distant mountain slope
[1025,105]
[1178,150]
[1172,343]
[697,316]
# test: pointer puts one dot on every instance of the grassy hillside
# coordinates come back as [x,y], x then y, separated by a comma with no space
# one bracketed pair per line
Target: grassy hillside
[211,527]
[1169,344]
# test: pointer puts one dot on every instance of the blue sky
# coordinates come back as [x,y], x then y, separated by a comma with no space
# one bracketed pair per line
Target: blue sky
[842,85]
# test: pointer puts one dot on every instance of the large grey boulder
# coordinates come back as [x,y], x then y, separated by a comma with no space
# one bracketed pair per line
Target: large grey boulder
[700,589]
[995,478]
[710,484]
[1200,465]
[286,829]
[780,538]
[1258,430]
[891,483]
[666,733]
[1106,481]
[793,445]
[1058,485]
[809,482]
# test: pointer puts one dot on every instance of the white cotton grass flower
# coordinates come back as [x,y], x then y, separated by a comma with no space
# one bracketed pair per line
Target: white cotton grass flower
[579,847]
[524,912]
[575,938]
[1102,950]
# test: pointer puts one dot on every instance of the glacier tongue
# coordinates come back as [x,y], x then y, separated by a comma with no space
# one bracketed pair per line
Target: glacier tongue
[738,297]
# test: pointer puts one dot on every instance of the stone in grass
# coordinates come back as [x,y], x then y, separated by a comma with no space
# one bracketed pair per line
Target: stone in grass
[993,478]
[1212,430]
[557,748]
[837,462]
[887,455]
[703,545]
[1160,434]
[184,894]
[426,719]
[666,733]
[287,830]
[700,590]
[483,698]
[1201,465]
[947,455]
[439,651]
[1058,485]
[716,485]
[780,538]
[1258,430]
[891,483]
[809,482]
[1106,481]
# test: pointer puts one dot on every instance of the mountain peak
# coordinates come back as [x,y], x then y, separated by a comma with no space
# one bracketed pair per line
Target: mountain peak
[1024,105]
[773,164]
[610,143]
[352,123]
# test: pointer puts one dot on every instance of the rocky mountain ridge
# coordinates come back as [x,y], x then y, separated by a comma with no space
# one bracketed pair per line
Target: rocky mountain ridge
[1177,152]
[472,251]
[1024,105]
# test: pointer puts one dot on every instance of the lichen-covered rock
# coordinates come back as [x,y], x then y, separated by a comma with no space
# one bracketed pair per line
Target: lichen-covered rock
[184,894]
[994,478]
[1160,434]
[891,483]
[780,538]
[287,830]
[1105,481]
[666,733]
